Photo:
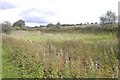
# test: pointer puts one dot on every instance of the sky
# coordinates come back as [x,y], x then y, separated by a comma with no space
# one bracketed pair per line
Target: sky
[42,12]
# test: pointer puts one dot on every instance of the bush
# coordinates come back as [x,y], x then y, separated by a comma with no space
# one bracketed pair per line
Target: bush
[6,27]
[0,28]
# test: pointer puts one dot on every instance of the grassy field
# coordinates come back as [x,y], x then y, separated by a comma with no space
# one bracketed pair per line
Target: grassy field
[32,54]
[0,56]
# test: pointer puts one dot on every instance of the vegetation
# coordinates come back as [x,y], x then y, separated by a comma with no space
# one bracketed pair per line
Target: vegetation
[58,25]
[20,23]
[61,52]
[49,25]
[109,17]
[61,55]
[6,27]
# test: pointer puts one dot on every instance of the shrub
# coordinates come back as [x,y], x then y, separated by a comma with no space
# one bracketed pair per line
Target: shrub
[6,27]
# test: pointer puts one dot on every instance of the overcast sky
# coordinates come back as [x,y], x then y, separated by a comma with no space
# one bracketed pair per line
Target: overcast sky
[36,12]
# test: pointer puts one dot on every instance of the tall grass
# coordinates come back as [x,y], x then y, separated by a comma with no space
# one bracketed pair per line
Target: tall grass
[72,58]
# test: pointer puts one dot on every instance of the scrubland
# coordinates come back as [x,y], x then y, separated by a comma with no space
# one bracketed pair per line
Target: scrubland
[67,53]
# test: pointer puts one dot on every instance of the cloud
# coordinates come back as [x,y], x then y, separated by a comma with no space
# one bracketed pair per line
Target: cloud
[34,19]
[52,11]
[34,15]
[37,12]
[6,5]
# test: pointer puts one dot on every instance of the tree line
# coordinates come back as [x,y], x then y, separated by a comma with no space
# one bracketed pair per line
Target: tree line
[109,18]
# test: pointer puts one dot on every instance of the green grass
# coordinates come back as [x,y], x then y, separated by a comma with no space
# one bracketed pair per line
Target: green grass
[60,37]
[0,56]
[9,70]
[46,55]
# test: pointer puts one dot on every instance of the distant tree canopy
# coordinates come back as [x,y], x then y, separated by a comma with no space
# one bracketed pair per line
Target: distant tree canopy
[87,22]
[19,23]
[6,27]
[109,17]
[96,23]
[119,18]
[49,25]
[58,25]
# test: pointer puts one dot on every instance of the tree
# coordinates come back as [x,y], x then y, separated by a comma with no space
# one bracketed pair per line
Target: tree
[102,20]
[80,23]
[58,25]
[20,23]
[109,17]
[96,23]
[91,23]
[6,27]
[87,22]
[119,18]
[49,25]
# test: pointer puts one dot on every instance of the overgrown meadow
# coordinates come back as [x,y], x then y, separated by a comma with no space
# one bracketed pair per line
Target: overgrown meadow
[63,53]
